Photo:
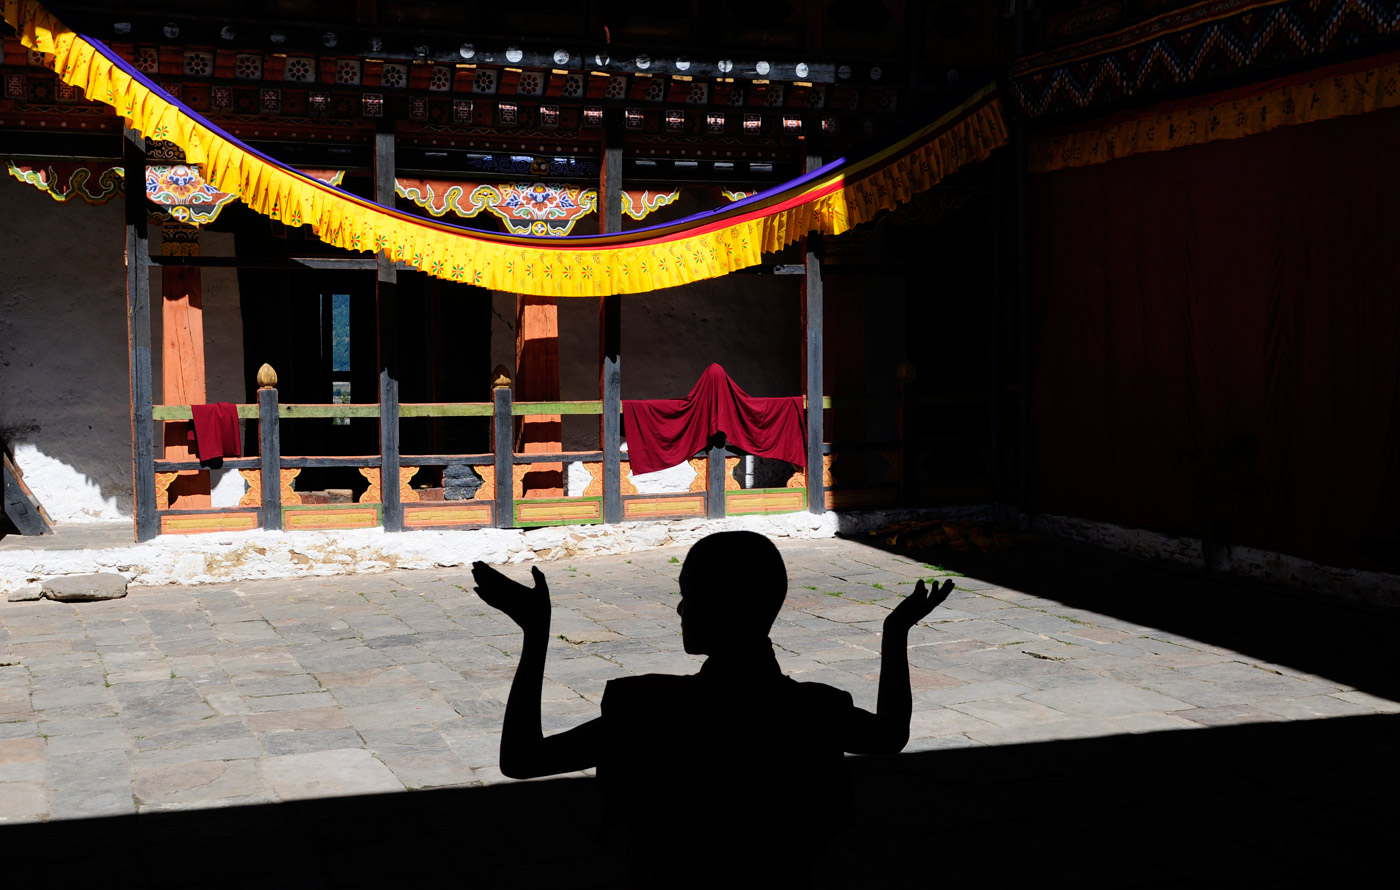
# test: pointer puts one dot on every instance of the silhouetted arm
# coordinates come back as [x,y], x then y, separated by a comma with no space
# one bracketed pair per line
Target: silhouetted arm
[887,730]
[525,752]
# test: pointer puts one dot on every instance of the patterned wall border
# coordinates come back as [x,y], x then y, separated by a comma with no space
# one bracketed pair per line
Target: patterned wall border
[526,208]
[65,181]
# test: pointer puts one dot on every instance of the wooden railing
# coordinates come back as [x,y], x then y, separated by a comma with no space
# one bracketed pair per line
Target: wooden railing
[272,502]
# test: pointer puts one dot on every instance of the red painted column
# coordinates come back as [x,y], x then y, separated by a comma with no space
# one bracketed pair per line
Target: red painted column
[182,361]
[537,380]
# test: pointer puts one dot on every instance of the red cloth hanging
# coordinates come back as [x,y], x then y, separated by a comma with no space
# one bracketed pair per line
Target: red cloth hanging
[662,433]
[216,431]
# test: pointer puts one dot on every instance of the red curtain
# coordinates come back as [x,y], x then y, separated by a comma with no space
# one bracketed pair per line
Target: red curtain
[1216,346]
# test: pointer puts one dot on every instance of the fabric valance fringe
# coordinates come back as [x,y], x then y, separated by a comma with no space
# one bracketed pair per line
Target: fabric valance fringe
[1355,87]
[829,201]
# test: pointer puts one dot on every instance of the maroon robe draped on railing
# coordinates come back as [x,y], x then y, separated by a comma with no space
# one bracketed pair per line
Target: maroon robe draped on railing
[662,433]
[215,431]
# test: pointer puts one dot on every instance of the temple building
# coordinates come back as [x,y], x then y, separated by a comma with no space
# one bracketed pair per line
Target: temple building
[1121,264]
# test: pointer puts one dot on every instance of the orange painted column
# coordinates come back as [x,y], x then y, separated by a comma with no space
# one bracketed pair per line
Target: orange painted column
[182,360]
[537,380]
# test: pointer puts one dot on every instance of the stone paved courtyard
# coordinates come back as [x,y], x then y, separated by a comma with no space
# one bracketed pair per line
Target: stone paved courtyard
[180,699]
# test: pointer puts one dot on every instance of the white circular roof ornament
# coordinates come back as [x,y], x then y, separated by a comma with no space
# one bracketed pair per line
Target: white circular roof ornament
[644,61]
[278,38]
[172,30]
[513,54]
[762,68]
[125,28]
[802,70]
[602,59]
[466,51]
[682,64]
[844,72]
[227,32]
[875,73]
[561,57]
[725,66]
[329,38]
[375,44]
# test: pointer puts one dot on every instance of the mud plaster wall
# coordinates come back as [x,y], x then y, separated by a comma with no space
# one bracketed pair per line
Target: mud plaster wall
[749,324]
[64,385]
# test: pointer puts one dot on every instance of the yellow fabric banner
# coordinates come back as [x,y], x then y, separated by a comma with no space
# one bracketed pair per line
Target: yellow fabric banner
[585,266]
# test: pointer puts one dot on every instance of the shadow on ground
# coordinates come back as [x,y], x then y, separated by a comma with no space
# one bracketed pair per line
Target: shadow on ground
[1273,624]
[1258,805]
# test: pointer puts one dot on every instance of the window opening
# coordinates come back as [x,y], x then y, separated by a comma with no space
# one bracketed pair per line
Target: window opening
[340,353]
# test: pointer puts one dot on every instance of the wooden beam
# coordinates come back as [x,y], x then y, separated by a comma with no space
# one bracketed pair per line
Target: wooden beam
[138,339]
[387,330]
[306,262]
[20,505]
[610,329]
[812,353]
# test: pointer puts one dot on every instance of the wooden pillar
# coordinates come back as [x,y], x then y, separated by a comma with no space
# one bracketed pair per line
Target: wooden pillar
[387,332]
[610,330]
[537,380]
[907,424]
[1020,157]
[998,283]
[715,506]
[501,427]
[1023,320]
[269,449]
[812,356]
[182,357]
[138,338]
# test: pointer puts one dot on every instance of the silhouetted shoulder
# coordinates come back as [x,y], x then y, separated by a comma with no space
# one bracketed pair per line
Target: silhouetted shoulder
[624,691]
[822,697]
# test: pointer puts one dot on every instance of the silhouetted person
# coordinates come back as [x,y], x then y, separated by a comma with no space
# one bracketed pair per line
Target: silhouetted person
[734,772]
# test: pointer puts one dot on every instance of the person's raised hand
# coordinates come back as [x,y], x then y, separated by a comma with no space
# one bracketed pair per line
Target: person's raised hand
[916,606]
[526,606]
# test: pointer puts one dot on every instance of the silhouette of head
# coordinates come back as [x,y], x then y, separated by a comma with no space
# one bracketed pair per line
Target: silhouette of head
[732,586]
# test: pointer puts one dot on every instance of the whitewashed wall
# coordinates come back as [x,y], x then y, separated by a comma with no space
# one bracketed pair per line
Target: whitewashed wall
[64,386]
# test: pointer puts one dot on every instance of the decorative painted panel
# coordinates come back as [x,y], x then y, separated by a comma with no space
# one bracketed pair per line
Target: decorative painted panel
[201,523]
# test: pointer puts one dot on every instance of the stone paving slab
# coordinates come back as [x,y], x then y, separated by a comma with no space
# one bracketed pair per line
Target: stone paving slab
[180,699]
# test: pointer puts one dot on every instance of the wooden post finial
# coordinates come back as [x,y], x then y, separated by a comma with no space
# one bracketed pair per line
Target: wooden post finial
[500,377]
[267,378]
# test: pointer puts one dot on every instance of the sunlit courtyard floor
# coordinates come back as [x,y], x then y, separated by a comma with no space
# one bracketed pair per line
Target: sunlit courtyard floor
[244,696]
